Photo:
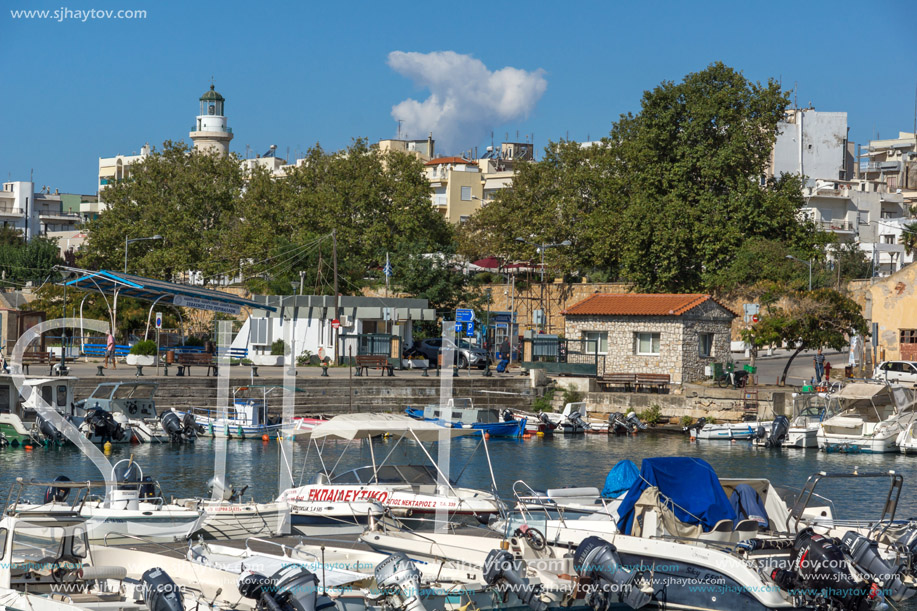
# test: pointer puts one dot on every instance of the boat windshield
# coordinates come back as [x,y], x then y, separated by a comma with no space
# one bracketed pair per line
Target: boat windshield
[38,545]
[415,475]
[135,391]
[102,391]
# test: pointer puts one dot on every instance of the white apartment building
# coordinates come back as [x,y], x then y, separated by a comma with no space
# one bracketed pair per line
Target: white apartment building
[34,213]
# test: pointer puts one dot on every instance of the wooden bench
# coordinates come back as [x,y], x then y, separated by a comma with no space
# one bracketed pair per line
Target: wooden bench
[186,359]
[365,362]
[653,381]
[622,380]
[40,358]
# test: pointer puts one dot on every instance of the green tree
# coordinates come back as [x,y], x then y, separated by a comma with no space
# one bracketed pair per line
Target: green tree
[822,318]
[30,262]
[909,238]
[189,197]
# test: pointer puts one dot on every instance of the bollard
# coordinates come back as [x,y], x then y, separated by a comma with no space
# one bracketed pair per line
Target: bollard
[100,367]
[139,373]
[425,370]
[324,370]
[165,368]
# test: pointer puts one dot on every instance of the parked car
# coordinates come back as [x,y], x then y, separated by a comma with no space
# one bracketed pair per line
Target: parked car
[901,372]
[467,354]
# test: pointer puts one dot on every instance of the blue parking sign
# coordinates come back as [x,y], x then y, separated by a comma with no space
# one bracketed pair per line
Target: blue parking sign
[469,329]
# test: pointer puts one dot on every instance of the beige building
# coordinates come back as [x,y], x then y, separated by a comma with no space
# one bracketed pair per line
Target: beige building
[677,335]
[891,303]
[458,187]
[422,149]
[894,163]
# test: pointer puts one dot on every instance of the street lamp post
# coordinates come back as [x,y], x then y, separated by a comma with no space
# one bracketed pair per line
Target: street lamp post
[128,241]
[541,248]
[809,263]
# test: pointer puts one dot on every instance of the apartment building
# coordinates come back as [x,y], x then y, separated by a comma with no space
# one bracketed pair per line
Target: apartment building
[893,162]
[34,213]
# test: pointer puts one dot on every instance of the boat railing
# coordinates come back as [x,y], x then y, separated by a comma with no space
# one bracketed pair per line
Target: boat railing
[285,550]
[18,488]
[889,508]
[529,499]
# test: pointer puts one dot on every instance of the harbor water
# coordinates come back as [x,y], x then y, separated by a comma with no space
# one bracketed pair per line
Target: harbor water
[562,461]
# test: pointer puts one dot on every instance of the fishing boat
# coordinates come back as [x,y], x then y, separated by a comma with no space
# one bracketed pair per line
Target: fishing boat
[246,418]
[48,564]
[571,421]
[351,498]
[460,413]
[869,417]
[20,423]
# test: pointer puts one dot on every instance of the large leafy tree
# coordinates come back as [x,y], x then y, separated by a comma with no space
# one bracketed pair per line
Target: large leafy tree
[190,198]
[810,320]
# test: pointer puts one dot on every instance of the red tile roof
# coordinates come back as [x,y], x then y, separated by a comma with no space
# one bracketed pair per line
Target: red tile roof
[442,160]
[636,304]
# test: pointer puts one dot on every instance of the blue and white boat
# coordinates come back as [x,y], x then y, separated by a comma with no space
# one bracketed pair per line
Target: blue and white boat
[462,414]
[246,418]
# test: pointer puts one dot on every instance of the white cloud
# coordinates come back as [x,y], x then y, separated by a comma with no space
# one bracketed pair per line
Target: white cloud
[466,99]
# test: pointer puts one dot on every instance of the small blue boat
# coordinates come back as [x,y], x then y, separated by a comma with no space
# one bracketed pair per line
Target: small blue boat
[465,416]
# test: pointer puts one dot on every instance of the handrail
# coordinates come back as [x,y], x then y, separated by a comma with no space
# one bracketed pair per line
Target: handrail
[283,548]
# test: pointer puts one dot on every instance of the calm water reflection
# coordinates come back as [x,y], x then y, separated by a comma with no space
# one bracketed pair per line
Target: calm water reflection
[183,470]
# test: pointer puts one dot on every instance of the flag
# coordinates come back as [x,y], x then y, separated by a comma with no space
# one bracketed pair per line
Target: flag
[387,270]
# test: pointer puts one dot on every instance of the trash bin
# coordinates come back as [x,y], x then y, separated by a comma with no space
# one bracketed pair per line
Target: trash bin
[717,370]
[848,371]
[170,357]
[750,369]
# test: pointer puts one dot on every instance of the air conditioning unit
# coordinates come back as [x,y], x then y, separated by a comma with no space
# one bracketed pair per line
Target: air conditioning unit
[345,321]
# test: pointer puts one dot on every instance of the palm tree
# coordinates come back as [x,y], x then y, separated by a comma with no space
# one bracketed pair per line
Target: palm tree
[909,238]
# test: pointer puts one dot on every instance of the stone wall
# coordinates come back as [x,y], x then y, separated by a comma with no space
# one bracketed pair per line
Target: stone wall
[621,356]
[705,318]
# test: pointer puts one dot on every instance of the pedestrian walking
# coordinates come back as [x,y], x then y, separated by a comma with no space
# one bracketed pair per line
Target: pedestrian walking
[110,351]
[819,361]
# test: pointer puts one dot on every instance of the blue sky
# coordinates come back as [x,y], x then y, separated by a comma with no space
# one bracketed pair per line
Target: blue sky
[299,73]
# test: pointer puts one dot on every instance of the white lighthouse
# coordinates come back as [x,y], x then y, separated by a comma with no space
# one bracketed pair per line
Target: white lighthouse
[210,131]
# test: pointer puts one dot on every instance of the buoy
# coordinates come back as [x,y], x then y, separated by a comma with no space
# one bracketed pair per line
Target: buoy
[265,437]
[486,435]
[28,448]
[540,433]
[526,435]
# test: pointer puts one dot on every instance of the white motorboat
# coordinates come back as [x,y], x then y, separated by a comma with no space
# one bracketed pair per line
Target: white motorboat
[730,430]
[868,418]
[126,411]
[22,425]
[809,410]
[48,564]
[907,439]
[246,418]
[353,497]
[226,515]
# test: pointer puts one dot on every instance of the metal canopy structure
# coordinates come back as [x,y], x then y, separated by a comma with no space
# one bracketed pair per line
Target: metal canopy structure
[149,289]
[115,284]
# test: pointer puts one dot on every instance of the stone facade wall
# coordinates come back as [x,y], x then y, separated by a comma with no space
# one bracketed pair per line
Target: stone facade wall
[705,318]
[621,356]
[679,352]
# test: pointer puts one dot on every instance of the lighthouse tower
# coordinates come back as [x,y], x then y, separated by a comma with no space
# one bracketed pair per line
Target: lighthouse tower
[210,131]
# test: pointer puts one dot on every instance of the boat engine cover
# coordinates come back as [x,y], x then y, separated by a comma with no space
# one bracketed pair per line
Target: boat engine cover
[501,566]
[865,553]
[597,559]
[160,593]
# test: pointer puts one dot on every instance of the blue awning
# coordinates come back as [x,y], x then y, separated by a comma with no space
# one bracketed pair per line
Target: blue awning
[689,486]
[150,289]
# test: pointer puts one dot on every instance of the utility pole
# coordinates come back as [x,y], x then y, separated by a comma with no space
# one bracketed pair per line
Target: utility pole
[337,295]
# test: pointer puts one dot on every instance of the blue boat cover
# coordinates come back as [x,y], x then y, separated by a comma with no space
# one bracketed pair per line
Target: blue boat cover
[689,487]
[621,477]
[747,505]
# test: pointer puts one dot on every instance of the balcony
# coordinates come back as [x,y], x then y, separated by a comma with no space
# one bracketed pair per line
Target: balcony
[59,217]
[839,226]
[440,201]
[11,211]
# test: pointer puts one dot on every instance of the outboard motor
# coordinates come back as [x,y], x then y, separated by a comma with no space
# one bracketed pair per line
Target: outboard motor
[190,426]
[508,416]
[147,487]
[696,426]
[102,424]
[4,442]
[577,422]
[398,577]
[292,588]
[906,551]
[172,426]
[598,560]
[819,569]
[48,431]
[617,425]
[549,425]
[57,494]
[501,567]
[865,553]
[633,420]
[160,593]
[779,429]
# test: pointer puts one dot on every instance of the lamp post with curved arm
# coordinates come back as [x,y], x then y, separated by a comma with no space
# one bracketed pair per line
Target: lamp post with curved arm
[128,241]
[809,263]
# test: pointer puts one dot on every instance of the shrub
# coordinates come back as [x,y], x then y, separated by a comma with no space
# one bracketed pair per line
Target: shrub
[543,403]
[572,395]
[304,359]
[652,415]
[686,421]
[145,347]
[278,348]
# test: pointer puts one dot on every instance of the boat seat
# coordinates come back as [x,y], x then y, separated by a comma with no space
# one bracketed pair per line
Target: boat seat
[745,529]
[587,491]
[722,531]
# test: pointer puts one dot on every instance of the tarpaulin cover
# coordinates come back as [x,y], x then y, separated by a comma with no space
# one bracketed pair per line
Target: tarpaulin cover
[620,479]
[747,505]
[689,486]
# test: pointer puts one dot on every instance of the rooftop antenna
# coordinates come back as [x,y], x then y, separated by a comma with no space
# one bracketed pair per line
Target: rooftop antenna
[399,128]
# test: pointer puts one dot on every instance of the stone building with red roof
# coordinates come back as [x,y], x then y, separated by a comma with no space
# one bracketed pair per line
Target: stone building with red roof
[678,335]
